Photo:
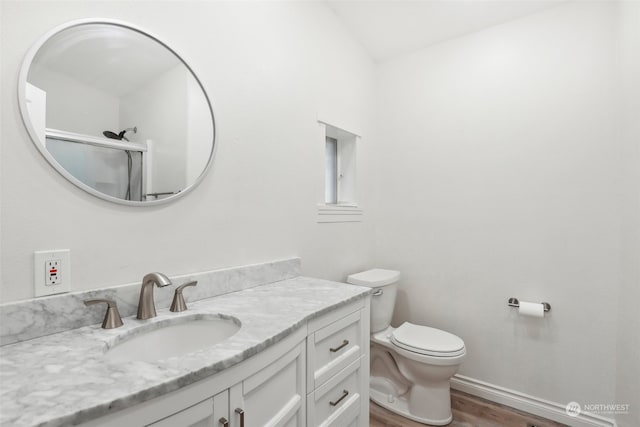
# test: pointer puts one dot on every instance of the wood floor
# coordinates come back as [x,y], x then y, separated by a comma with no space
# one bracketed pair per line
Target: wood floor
[468,411]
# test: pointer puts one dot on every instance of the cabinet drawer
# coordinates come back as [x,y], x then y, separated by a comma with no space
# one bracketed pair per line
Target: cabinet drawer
[338,401]
[332,348]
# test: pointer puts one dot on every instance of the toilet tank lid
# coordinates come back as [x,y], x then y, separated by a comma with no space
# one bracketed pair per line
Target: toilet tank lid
[374,278]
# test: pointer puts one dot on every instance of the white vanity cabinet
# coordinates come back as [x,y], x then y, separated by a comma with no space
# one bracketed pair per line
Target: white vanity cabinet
[316,376]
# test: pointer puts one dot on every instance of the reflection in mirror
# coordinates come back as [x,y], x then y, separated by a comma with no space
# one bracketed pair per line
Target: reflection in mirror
[117,112]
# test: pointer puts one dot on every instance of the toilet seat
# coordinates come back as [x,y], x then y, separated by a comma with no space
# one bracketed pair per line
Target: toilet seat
[427,341]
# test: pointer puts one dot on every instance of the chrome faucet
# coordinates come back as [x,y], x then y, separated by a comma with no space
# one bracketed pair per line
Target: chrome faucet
[146,305]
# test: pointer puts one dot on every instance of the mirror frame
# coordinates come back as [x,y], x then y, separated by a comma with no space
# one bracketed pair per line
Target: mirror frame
[26,119]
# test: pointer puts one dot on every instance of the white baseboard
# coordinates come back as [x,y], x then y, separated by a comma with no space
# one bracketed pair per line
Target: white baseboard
[523,402]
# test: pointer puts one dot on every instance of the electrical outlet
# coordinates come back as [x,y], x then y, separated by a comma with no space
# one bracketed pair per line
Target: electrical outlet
[52,272]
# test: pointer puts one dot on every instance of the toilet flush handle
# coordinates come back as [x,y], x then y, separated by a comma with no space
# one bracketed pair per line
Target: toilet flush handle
[378,292]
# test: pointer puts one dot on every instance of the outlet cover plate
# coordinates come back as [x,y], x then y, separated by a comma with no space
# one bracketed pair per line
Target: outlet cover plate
[41,261]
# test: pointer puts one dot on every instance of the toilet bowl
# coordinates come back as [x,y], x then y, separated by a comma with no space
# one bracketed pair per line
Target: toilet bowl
[411,366]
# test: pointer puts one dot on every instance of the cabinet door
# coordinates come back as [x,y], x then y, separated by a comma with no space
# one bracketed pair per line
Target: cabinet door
[212,412]
[198,415]
[221,409]
[274,396]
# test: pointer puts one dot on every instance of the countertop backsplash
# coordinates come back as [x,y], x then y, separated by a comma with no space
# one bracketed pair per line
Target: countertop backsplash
[28,319]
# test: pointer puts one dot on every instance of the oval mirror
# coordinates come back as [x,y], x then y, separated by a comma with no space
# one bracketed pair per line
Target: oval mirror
[117,112]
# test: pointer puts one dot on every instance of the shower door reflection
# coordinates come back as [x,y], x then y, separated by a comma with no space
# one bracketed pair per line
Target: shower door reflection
[115,172]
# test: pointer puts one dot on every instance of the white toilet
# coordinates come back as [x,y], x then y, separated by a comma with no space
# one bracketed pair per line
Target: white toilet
[410,365]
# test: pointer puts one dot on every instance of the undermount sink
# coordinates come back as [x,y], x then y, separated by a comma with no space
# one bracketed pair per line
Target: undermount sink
[169,338]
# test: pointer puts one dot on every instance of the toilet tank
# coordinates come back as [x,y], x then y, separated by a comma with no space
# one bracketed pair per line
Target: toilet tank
[383,299]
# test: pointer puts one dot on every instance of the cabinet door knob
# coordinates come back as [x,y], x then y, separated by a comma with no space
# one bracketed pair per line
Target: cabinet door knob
[340,347]
[345,393]
[224,422]
[241,413]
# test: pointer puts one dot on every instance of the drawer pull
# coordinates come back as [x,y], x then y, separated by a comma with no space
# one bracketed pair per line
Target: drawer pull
[345,393]
[340,347]
[241,413]
[224,422]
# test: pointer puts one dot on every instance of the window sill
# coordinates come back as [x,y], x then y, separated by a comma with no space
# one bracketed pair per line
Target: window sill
[339,213]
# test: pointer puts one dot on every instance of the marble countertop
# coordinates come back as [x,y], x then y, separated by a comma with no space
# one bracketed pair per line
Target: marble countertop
[64,378]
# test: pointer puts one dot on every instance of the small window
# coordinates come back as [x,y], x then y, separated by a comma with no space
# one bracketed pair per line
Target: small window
[340,203]
[331,171]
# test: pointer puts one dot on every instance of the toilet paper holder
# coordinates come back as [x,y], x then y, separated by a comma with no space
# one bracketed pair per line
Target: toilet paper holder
[513,302]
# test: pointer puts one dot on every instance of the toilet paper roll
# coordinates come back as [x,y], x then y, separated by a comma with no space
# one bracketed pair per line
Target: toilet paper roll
[532,309]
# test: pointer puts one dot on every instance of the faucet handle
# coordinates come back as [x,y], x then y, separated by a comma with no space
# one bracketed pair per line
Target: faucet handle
[178,303]
[112,317]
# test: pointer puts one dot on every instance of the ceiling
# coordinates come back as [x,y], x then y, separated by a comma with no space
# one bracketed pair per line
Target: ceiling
[389,28]
[114,59]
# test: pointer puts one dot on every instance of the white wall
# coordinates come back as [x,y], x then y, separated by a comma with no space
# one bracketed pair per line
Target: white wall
[499,176]
[268,82]
[198,130]
[628,351]
[2,121]
[160,111]
[73,106]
